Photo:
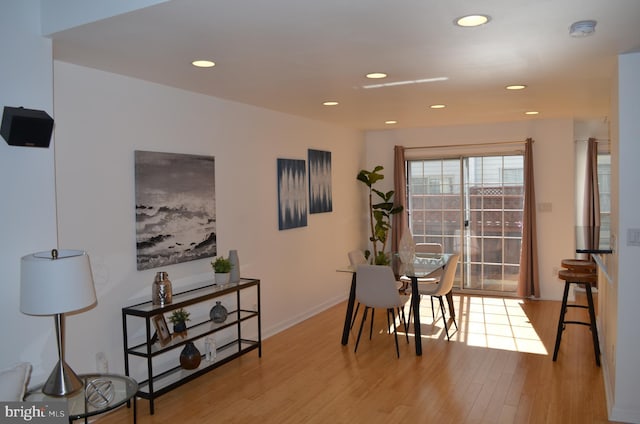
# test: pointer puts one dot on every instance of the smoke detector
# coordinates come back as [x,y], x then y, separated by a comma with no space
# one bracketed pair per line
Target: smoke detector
[582,28]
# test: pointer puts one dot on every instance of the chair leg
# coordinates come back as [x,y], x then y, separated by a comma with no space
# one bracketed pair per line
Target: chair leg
[373,311]
[364,317]
[395,330]
[563,310]
[592,321]
[433,312]
[404,321]
[444,318]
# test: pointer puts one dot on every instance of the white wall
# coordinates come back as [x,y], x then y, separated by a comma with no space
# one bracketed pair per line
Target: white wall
[625,402]
[27,198]
[103,118]
[553,151]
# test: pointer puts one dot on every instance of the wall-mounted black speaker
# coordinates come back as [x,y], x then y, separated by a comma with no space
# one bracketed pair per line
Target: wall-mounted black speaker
[26,127]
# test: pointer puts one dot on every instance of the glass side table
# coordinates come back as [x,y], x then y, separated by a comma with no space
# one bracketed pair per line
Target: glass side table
[124,390]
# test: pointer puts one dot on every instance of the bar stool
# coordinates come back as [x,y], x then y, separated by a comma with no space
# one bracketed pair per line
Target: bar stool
[579,273]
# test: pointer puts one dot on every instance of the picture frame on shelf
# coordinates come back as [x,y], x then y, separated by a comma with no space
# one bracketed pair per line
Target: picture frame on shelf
[162,330]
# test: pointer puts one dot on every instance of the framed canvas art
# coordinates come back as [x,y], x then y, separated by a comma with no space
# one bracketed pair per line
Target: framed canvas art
[320,199]
[175,208]
[292,194]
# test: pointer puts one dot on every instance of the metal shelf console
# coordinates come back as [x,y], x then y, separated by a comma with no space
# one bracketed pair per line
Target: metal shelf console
[157,382]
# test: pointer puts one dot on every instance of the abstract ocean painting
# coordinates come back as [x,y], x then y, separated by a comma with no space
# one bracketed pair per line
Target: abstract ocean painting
[292,194]
[320,199]
[175,208]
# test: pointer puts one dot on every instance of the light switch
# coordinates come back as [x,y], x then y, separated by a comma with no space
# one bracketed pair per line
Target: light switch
[544,207]
[633,237]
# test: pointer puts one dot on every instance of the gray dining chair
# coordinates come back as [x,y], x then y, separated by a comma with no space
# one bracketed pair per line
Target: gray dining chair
[376,288]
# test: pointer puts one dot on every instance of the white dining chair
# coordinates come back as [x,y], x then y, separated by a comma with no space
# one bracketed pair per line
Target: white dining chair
[440,289]
[376,288]
[434,277]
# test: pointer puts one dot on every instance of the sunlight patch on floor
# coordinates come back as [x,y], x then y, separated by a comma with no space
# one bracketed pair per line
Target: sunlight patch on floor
[496,323]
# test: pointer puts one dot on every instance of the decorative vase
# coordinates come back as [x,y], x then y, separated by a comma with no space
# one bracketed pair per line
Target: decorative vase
[222,277]
[161,292]
[210,350]
[235,266]
[218,313]
[190,357]
[406,251]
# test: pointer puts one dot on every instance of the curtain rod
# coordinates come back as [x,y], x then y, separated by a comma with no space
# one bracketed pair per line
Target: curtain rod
[496,143]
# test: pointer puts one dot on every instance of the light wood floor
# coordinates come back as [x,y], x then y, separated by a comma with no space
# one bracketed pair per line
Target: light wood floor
[490,372]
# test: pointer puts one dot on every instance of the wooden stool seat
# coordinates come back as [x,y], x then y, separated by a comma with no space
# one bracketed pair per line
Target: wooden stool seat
[573,276]
[581,265]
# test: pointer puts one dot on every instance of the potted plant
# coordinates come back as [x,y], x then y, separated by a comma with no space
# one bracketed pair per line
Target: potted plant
[179,319]
[379,215]
[222,268]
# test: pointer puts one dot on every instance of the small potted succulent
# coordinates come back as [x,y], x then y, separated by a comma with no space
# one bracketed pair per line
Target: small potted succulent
[222,268]
[179,319]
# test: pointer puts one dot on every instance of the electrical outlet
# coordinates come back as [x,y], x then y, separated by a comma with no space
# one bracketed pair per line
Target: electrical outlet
[612,356]
[102,366]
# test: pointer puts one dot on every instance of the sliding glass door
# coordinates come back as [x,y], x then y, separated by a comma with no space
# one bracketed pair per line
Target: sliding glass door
[471,205]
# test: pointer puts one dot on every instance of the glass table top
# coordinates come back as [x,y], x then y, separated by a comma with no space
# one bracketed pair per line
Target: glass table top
[122,389]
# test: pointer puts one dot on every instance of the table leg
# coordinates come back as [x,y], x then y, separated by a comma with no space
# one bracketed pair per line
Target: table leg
[415,300]
[349,315]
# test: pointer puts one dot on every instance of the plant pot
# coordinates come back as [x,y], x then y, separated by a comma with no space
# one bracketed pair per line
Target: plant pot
[190,357]
[180,329]
[222,277]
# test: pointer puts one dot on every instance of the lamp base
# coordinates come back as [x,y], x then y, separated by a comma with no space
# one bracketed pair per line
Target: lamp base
[62,381]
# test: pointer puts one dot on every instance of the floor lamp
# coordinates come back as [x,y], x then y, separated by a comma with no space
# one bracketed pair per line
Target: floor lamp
[54,283]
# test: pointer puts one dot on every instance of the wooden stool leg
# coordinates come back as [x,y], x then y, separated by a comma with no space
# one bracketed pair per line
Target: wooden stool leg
[594,327]
[563,310]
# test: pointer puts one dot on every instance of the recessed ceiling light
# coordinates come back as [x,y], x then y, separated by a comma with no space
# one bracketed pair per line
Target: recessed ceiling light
[330,103]
[472,20]
[376,75]
[532,112]
[438,106]
[391,122]
[516,87]
[582,28]
[203,63]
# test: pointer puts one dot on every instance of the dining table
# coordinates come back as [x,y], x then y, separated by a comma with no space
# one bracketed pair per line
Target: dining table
[423,265]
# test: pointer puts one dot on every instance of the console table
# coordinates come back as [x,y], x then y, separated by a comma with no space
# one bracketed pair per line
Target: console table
[244,319]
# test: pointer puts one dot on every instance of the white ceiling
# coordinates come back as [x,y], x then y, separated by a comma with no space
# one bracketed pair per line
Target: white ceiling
[291,55]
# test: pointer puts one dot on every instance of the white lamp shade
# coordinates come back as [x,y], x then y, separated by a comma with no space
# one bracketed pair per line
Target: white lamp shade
[54,286]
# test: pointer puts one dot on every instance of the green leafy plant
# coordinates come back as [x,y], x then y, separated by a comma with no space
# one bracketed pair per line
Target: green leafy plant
[379,214]
[179,316]
[221,265]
